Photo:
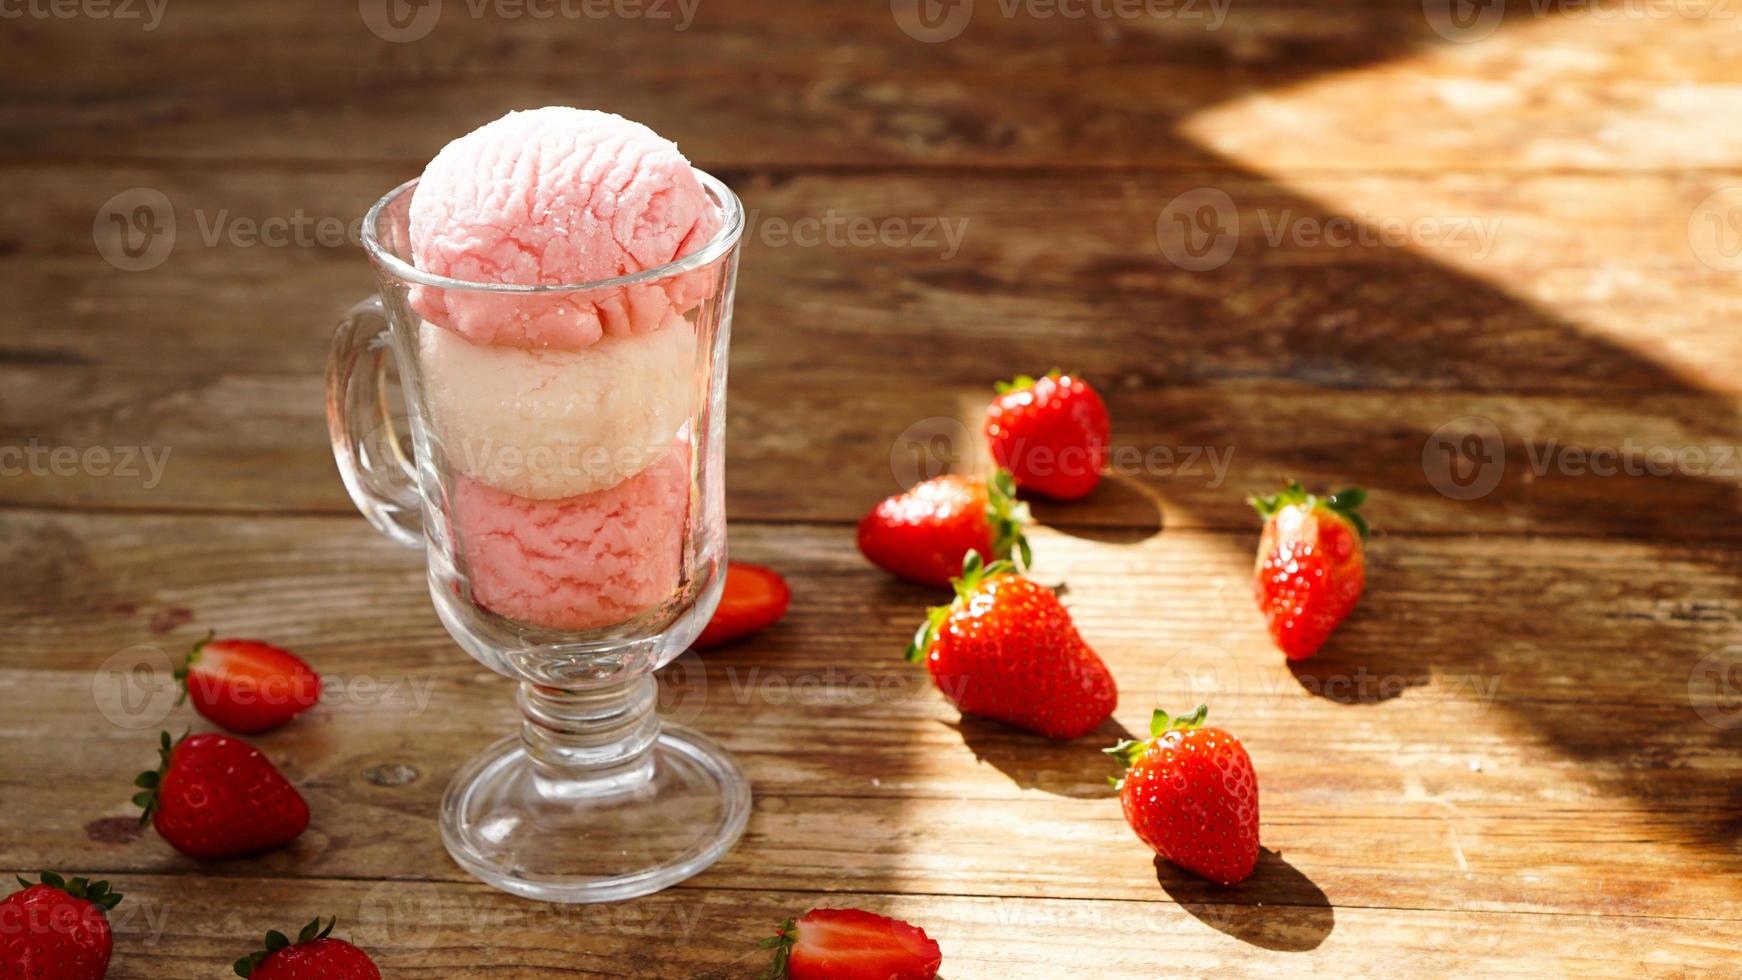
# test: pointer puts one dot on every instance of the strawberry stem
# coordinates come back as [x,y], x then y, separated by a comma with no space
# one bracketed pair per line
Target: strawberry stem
[1344,503]
[974,572]
[1130,750]
[1006,515]
[95,892]
[276,941]
[150,780]
[781,942]
[187,665]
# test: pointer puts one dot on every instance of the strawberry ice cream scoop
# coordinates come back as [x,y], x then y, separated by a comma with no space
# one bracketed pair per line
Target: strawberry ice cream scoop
[581,562]
[550,197]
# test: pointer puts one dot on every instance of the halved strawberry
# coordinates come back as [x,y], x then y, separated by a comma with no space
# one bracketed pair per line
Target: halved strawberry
[850,944]
[755,597]
[247,686]
[922,534]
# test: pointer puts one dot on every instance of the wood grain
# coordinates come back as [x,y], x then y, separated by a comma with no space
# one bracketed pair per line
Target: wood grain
[1322,360]
[1407,767]
[1519,758]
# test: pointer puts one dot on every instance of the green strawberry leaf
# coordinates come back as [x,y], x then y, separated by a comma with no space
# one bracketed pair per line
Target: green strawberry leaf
[1130,750]
[187,665]
[974,572]
[1006,515]
[781,942]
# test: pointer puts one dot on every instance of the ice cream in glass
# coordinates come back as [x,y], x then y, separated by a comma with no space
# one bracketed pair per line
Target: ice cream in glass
[556,293]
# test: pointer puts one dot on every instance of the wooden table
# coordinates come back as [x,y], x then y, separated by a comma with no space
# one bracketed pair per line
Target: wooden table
[1406,233]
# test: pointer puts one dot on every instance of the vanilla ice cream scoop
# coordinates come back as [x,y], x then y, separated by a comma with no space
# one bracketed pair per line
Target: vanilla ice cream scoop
[548,424]
[556,196]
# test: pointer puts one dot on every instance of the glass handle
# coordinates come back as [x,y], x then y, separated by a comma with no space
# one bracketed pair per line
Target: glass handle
[382,480]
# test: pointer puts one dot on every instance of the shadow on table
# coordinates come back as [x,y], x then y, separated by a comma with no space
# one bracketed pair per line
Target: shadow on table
[1076,769]
[1277,908]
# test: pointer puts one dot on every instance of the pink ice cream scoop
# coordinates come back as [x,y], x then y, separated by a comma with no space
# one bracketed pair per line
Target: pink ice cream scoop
[549,197]
[579,562]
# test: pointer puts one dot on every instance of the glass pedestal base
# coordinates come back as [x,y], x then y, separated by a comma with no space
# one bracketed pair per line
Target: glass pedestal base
[532,831]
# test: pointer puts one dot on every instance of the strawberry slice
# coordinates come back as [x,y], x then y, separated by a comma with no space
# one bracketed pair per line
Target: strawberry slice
[754,599]
[247,686]
[850,944]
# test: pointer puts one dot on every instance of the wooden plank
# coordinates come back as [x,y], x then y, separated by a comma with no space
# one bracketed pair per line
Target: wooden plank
[1517,724]
[844,84]
[1313,361]
[196,926]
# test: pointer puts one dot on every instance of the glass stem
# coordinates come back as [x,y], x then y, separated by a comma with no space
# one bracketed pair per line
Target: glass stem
[591,741]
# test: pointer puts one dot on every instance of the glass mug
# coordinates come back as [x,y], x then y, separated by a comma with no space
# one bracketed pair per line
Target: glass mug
[571,507]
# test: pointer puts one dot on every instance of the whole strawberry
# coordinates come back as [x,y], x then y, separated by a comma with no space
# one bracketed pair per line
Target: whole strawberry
[247,686]
[1191,795]
[850,944]
[1006,649]
[215,797]
[922,534]
[1052,433]
[1311,565]
[314,956]
[57,929]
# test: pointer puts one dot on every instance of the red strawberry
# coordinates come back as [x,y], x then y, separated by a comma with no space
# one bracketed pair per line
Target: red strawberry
[214,796]
[923,533]
[56,929]
[849,944]
[1311,567]
[1191,795]
[1052,433]
[247,686]
[313,956]
[1006,649]
[754,599]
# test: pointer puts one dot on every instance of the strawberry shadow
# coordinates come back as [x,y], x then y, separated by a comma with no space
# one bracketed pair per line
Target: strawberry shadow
[1123,511]
[1077,768]
[1277,908]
